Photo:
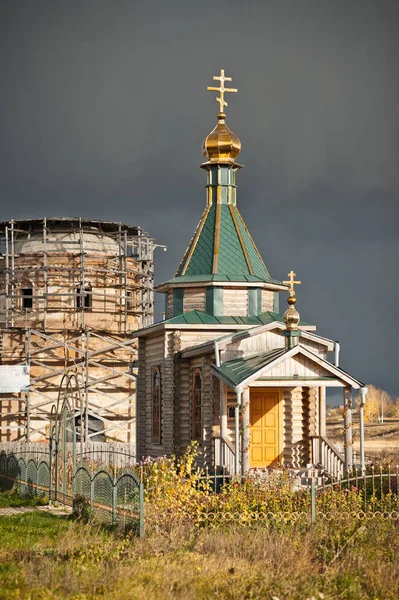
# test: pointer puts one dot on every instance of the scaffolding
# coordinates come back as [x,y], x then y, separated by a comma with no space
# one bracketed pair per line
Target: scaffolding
[72,291]
[129,263]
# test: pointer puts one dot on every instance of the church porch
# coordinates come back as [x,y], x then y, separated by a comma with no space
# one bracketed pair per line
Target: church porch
[267,420]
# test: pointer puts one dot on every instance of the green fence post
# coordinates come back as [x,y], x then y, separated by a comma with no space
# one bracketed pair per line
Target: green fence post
[91,492]
[114,500]
[141,507]
[313,500]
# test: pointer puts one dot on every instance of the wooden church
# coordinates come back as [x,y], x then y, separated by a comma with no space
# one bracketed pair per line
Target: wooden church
[225,367]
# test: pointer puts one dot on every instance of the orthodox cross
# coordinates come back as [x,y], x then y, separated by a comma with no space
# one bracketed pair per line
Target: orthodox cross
[292,282]
[221,89]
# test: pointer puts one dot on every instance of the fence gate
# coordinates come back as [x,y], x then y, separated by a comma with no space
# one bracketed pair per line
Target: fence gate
[114,494]
[64,415]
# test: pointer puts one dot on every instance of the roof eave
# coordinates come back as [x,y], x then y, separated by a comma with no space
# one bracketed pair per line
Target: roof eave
[170,285]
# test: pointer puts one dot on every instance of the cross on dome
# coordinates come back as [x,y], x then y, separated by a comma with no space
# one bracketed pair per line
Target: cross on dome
[221,89]
[292,282]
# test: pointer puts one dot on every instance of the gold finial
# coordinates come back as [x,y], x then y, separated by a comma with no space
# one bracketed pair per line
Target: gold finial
[292,282]
[221,89]
[291,315]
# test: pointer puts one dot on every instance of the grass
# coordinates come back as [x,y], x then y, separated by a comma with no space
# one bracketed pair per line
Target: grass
[44,557]
[11,498]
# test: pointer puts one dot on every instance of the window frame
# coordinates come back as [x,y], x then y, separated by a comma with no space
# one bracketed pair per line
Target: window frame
[195,434]
[156,406]
[129,301]
[85,297]
[27,297]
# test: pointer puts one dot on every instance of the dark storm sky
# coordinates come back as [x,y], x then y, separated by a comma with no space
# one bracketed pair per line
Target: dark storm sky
[103,107]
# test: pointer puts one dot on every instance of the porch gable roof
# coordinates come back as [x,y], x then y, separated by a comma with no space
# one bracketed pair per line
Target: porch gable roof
[240,372]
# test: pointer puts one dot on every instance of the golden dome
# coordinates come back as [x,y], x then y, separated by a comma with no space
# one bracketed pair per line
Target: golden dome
[291,315]
[221,145]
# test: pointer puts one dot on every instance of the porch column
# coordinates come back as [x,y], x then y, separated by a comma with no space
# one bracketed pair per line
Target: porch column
[348,430]
[246,433]
[322,424]
[237,434]
[322,411]
[363,392]
[223,412]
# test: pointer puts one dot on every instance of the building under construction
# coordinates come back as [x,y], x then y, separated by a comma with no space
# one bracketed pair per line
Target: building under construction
[71,293]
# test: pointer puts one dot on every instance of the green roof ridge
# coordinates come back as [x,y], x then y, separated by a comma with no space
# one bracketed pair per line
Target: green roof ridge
[258,266]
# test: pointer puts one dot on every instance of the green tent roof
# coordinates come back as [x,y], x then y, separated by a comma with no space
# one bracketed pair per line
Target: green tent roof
[222,250]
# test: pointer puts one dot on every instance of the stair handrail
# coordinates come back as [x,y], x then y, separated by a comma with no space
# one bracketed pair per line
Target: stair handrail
[226,458]
[326,454]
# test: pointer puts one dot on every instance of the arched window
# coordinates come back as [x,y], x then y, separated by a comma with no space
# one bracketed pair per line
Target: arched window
[156,406]
[84,295]
[196,408]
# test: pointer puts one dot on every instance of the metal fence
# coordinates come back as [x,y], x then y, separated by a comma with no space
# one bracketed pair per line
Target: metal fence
[116,494]
[112,497]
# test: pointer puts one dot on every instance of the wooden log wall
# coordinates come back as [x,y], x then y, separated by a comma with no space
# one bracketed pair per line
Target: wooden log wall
[195,337]
[168,392]
[310,402]
[294,444]
[194,299]
[267,301]
[182,405]
[235,302]
[154,357]
[141,400]
[207,410]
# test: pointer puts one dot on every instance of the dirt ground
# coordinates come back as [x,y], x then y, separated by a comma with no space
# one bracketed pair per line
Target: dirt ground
[380,438]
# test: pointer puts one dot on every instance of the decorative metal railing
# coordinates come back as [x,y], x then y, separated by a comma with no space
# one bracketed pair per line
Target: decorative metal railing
[209,499]
[326,455]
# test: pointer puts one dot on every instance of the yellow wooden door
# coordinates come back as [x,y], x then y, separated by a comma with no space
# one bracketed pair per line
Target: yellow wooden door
[264,422]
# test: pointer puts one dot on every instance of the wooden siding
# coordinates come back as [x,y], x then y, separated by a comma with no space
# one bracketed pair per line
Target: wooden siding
[267,301]
[235,302]
[264,341]
[268,340]
[298,366]
[314,347]
[194,299]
